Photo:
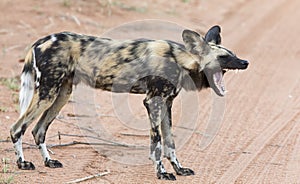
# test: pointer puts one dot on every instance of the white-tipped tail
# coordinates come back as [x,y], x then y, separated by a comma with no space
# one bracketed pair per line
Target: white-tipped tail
[26,91]
[27,82]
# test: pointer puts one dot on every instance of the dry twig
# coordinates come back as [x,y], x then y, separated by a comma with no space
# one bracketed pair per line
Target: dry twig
[133,135]
[89,177]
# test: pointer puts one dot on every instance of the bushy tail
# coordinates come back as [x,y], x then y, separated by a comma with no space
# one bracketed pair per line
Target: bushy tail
[27,82]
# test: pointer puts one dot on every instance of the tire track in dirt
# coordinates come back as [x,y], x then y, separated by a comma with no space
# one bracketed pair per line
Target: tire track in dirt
[218,159]
[280,161]
[293,165]
[254,20]
[259,143]
[293,168]
[243,45]
[255,148]
[268,158]
[242,102]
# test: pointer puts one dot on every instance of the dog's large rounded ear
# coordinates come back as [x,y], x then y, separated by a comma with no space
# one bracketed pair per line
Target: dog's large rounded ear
[194,43]
[213,35]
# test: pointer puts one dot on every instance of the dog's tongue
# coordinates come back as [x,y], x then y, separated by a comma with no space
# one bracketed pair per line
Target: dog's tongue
[219,82]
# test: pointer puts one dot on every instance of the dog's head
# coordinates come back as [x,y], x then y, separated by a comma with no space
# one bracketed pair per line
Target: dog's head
[214,60]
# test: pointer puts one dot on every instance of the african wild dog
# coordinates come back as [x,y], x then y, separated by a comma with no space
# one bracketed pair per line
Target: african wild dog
[157,68]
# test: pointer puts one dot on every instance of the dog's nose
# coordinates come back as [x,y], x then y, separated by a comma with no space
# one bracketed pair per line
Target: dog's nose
[245,63]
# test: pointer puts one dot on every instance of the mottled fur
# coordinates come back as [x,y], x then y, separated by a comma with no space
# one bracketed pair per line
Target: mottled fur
[157,68]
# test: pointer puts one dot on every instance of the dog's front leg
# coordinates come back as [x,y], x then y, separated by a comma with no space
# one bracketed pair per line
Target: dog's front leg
[156,111]
[169,144]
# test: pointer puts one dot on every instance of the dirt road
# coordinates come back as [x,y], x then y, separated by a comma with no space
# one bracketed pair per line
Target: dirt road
[255,138]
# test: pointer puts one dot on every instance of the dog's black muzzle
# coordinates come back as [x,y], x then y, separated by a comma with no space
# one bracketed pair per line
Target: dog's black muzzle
[234,64]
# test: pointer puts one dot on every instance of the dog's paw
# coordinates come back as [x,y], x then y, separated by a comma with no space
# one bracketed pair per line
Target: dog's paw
[181,170]
[185,172]
[166,176]
[24,165]
[53,163]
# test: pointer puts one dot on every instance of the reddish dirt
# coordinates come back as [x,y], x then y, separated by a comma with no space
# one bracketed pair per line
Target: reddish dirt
[255,141]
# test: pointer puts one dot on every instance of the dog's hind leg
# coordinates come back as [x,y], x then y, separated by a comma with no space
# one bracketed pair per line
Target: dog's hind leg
[39,131]
[169,144]
[35,109]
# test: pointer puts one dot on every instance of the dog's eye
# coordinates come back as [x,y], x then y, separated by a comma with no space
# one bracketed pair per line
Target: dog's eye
[224,56]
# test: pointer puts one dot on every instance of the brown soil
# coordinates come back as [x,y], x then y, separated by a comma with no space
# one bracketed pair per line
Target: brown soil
[255,138]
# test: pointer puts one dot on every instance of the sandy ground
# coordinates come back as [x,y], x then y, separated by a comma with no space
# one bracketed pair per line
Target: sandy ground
[250,136]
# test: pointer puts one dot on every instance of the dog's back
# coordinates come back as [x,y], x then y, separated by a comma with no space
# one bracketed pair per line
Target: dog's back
[119,66]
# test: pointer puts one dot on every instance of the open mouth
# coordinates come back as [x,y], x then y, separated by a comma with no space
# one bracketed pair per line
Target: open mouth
[219,82]
[216,81]
[215,74]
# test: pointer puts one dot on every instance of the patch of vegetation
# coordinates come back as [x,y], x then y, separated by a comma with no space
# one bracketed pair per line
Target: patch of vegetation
[17,107]
[12,83]
[124,6]
[15,98]
[4,50]
[3,109]
[6,170]
[66,3]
